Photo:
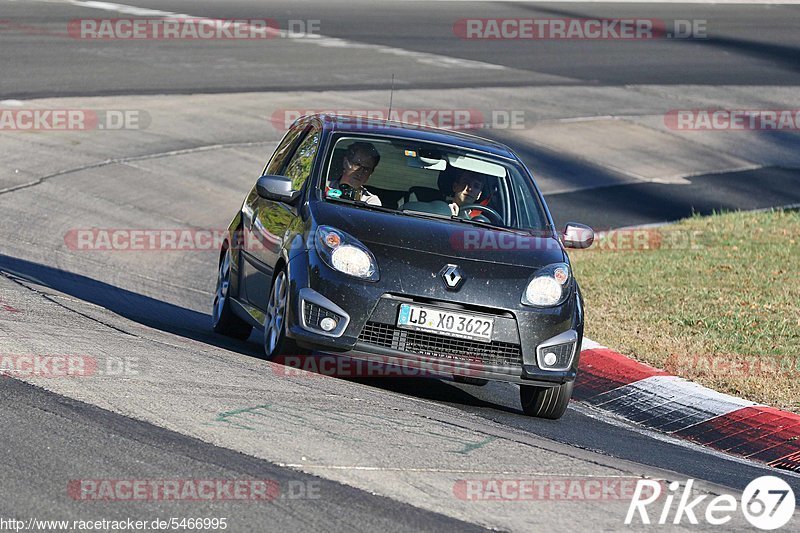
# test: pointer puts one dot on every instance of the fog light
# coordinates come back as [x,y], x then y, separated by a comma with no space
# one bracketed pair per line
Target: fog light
[327,324]
[557,353]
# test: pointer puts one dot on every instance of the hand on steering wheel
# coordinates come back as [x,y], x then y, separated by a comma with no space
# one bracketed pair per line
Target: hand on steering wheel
[493,216]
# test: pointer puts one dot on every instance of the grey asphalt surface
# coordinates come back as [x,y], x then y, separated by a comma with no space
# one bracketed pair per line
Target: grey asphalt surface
[648,203]
[746,45]
[581,427]
[161,301]
[386,437]
[55,440]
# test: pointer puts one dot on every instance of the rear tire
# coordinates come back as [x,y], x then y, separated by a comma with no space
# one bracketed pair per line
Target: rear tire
[545,402]
[223,319]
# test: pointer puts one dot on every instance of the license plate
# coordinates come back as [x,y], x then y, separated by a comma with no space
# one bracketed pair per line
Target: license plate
[445,322]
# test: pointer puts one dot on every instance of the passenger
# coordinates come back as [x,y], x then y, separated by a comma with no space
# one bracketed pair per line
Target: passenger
[358,164]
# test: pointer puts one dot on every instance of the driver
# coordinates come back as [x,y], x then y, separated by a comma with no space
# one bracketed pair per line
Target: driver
[467,189]
[358,164]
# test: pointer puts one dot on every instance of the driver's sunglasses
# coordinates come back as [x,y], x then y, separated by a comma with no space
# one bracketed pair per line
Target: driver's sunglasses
[359,167]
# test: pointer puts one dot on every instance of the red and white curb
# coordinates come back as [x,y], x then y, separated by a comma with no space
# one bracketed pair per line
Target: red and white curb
[655,399]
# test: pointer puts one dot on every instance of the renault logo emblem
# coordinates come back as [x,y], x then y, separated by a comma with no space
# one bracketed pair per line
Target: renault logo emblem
[452,277]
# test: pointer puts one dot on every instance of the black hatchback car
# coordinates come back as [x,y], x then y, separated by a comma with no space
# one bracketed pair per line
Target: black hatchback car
[376,239]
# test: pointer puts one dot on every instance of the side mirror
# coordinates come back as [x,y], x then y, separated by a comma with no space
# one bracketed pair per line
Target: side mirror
[577,235]
[277,188]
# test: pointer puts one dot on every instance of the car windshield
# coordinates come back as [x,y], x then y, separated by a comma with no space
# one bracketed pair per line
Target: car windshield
[434,180]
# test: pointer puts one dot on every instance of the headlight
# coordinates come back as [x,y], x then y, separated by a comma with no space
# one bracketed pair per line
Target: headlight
[346,254]
[548,287]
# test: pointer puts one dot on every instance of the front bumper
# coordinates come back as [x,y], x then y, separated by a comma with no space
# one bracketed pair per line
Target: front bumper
[366,314]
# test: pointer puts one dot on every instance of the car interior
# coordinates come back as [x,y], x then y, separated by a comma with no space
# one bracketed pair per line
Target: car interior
[414,178]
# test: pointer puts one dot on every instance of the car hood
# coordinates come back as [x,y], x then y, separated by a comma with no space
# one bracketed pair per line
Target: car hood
[439,237]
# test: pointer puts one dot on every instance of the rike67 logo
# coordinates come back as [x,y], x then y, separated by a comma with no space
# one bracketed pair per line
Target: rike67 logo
[767,503]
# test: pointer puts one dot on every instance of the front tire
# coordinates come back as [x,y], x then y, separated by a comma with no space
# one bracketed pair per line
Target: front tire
[276,343]
[545,402]
[223,319]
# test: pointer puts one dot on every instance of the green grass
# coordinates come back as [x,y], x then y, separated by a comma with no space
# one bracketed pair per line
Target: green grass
[720,289]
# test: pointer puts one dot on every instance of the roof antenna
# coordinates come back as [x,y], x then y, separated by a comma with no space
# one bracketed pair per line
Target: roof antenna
[391,96]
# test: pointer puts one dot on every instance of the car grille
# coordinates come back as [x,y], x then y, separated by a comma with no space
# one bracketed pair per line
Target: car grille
[441,346]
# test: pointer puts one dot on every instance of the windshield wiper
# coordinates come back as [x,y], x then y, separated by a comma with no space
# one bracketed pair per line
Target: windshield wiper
[425,214]
[487,225]
[359,203]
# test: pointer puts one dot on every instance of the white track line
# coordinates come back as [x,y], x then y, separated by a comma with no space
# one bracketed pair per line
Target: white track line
[319,40]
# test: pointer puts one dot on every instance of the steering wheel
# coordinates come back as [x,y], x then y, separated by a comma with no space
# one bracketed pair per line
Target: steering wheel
[493,216]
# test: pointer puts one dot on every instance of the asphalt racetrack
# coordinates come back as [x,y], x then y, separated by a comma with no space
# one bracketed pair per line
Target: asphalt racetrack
[170,400]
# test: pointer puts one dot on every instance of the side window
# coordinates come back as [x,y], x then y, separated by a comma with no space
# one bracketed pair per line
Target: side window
[529,216]
[299,168]
[284,150]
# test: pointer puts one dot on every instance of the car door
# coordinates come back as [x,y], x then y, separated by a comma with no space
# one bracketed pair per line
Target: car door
[268,220]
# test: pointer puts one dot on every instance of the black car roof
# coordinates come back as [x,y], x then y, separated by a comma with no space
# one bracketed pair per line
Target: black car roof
[356,124]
